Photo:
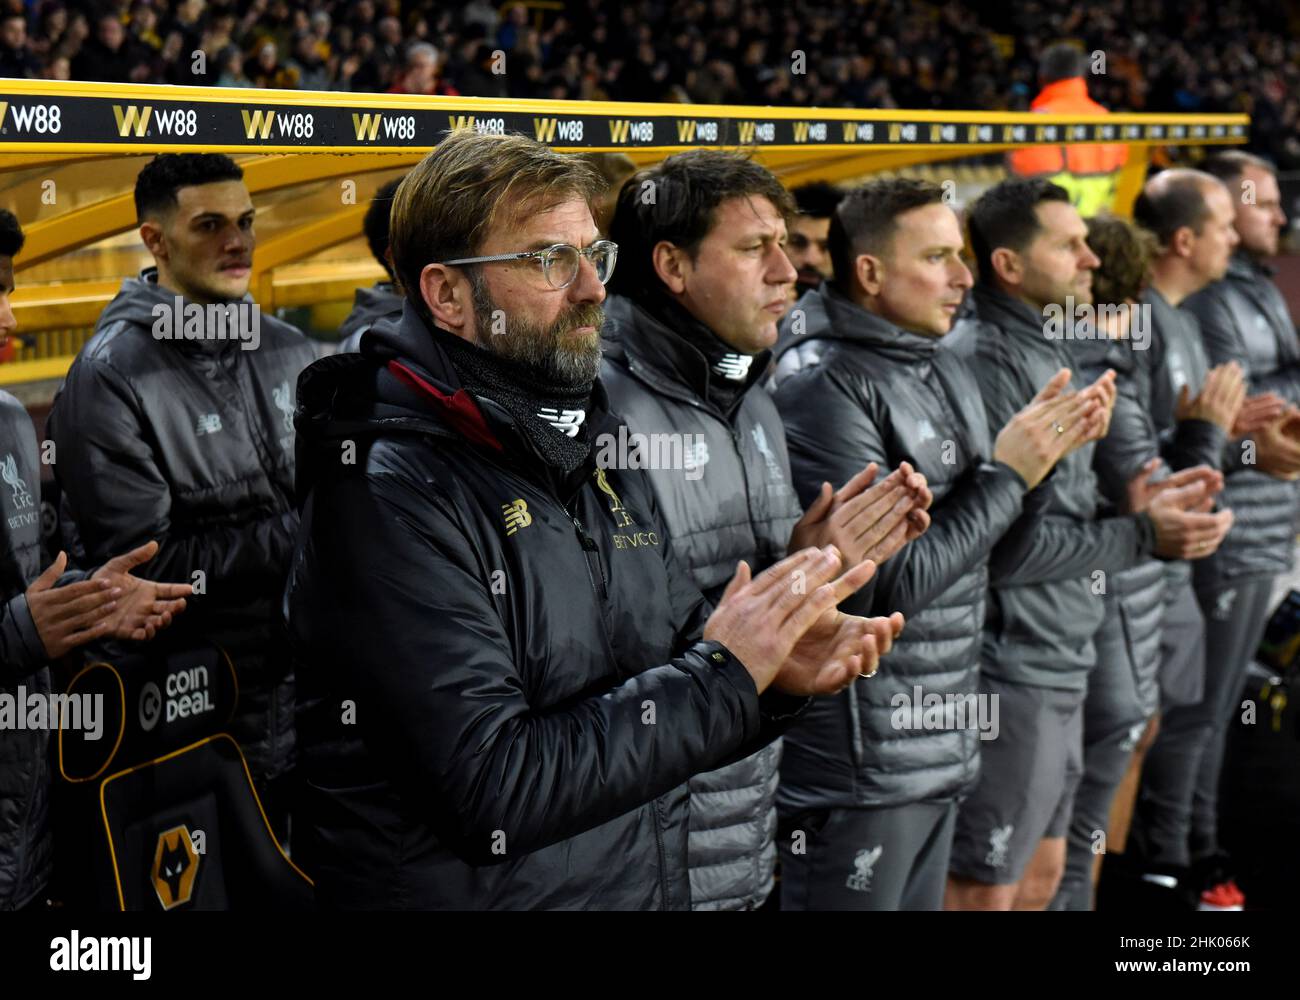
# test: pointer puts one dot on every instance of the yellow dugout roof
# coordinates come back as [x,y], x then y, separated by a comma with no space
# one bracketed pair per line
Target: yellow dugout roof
[70,152]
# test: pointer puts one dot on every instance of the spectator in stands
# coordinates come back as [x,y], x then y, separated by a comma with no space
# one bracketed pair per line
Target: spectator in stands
[420,75]
[15,60]
[109,57]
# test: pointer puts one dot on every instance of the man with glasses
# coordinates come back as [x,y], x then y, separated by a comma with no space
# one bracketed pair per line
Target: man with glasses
[507,679]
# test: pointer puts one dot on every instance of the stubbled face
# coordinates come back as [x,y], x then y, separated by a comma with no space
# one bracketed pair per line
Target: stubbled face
[919,283]
[204,247]
[739,282]
[515,312]
[7,322]
[1057,263]
[1212,247]
[808,248]
[1259,216]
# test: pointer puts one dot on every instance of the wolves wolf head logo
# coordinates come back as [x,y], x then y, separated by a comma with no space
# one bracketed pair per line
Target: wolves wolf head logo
[175,867]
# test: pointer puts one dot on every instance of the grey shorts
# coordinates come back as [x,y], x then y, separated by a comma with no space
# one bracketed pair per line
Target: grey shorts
[1028,776]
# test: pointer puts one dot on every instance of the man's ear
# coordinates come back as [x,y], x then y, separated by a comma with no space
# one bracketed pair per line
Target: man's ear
[870,273]
[151,235]
[669,263]
[1181,242]
[1007,265]
[447,293]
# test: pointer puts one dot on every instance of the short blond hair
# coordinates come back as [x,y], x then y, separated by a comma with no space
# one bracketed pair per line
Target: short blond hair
[449,202]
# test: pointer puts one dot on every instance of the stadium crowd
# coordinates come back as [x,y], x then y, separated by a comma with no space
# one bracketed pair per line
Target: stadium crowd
[1159,56]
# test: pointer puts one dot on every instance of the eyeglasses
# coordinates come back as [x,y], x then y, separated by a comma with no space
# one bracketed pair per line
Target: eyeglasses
[559,262]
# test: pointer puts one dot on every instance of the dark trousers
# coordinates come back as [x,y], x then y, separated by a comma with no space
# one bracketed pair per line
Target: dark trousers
[1176,819]
[876,859]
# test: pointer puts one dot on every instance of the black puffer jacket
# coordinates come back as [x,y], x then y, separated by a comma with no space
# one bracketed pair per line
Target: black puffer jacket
[25,852]
[853,389]
[735,502]
[520,649]
[1044,604]
[369,306]
[1244,318]
[190,442]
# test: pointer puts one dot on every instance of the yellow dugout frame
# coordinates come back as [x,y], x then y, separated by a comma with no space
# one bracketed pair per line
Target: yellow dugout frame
[293,145]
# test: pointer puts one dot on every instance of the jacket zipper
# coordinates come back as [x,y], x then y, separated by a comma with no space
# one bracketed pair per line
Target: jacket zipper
[591,554]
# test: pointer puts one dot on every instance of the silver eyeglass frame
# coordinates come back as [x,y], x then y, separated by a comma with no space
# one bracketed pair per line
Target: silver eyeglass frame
[540,256]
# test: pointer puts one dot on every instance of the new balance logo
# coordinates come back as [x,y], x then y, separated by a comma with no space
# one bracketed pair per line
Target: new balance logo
[734,366]
[207,423]
[516,515]
[566,422]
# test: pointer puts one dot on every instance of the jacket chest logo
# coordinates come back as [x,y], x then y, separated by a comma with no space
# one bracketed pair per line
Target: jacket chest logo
[773,466]
[925,431]
[19,494]
[622,518]
[282,396]
[207,423]
[516,515]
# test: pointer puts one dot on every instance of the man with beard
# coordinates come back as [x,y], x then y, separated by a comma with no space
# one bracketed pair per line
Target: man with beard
[507,676]
[808,248]
[701,284]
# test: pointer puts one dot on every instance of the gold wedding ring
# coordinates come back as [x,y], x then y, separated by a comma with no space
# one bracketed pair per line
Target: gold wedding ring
[1060,428]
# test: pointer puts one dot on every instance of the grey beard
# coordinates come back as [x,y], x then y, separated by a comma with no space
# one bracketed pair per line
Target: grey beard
[534,346]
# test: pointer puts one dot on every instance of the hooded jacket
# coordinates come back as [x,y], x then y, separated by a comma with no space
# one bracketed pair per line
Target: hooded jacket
[854,389]
[190,442]
[369,306]
[519,648]
[731,500]
[1045,605]
[1244,318]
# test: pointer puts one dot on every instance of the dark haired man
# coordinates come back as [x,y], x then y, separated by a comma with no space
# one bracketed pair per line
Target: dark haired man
[176,423]
[531,676]
[1244,319]
[381,302]
[808,249]
[44,616]
[868,797]
[676,373]
[1035,269]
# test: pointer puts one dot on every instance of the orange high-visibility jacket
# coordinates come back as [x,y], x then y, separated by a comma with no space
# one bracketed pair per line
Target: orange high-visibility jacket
[1086,171]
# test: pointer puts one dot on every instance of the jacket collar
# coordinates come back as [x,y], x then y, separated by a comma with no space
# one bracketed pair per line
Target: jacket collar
[1074,91]
[1010,314]
[661,357]
[849,321]
[1243,267]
